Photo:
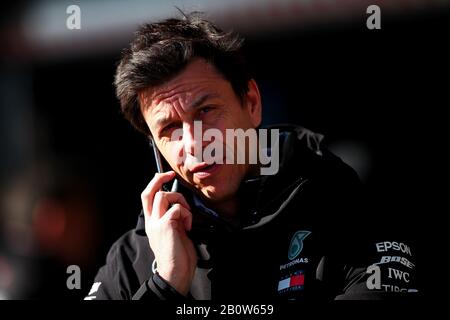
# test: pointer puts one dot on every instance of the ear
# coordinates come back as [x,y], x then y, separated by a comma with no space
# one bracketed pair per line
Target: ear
[253,103]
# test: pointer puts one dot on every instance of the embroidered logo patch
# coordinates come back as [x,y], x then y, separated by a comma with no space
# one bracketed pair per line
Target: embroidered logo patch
[293,282]
[296,245]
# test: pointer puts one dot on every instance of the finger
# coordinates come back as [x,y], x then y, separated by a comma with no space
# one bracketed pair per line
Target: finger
[155,185]
[178,213]
[163,200]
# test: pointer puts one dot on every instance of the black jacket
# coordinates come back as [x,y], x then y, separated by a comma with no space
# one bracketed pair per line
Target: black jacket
[303,235]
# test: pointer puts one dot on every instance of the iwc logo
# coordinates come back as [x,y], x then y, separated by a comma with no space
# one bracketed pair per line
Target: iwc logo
[296,245]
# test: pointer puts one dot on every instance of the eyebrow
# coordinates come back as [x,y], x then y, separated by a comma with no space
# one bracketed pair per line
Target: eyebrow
[198,102]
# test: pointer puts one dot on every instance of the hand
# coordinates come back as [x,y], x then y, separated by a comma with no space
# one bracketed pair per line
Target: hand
[167,218]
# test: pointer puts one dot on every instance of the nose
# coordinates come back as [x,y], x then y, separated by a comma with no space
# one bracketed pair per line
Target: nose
[192,139]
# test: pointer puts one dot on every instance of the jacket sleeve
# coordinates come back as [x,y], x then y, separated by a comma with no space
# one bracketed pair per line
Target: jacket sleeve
[157,289]
[375,252]
[108,283]
[127,274]
[386,270]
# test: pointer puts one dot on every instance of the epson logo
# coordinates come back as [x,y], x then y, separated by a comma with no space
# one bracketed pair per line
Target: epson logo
[397,246]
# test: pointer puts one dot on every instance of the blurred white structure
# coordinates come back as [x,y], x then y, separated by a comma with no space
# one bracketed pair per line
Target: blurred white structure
[107,25]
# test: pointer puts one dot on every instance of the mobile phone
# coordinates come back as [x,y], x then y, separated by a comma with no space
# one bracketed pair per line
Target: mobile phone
[205,221]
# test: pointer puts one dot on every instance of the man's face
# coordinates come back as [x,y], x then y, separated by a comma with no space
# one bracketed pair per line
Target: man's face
[200,93]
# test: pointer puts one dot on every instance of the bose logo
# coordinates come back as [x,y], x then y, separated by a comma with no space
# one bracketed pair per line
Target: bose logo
[402,260]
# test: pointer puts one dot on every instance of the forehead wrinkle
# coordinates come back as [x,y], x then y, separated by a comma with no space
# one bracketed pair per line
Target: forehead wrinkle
[164,108]
[201,74]
[183,99]
[184,90]
[181,92]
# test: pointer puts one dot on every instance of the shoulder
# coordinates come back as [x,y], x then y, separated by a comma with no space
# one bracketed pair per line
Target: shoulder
[129,246]
[128,265]
[304,152]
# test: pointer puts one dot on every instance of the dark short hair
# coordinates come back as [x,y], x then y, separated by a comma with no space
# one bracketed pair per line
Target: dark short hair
[162,50]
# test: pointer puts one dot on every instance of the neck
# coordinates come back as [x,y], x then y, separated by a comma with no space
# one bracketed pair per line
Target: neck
[228,209]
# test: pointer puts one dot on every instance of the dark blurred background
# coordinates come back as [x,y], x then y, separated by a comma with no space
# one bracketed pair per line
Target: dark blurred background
[72,169]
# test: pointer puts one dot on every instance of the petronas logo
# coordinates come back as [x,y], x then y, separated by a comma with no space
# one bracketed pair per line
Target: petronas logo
[296,245]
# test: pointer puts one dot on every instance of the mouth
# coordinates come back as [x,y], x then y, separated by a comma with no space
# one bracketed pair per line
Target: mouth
[204,170]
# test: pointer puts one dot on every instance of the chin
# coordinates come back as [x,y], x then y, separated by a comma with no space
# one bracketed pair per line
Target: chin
[216,194]
[211,193]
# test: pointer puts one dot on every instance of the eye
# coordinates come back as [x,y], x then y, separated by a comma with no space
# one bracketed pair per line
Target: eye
[168,128]
[206,109]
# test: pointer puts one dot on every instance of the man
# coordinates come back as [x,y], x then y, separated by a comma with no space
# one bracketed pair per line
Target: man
[231,231]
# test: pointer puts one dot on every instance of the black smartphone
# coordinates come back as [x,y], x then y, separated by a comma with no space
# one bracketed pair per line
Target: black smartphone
[205,221]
